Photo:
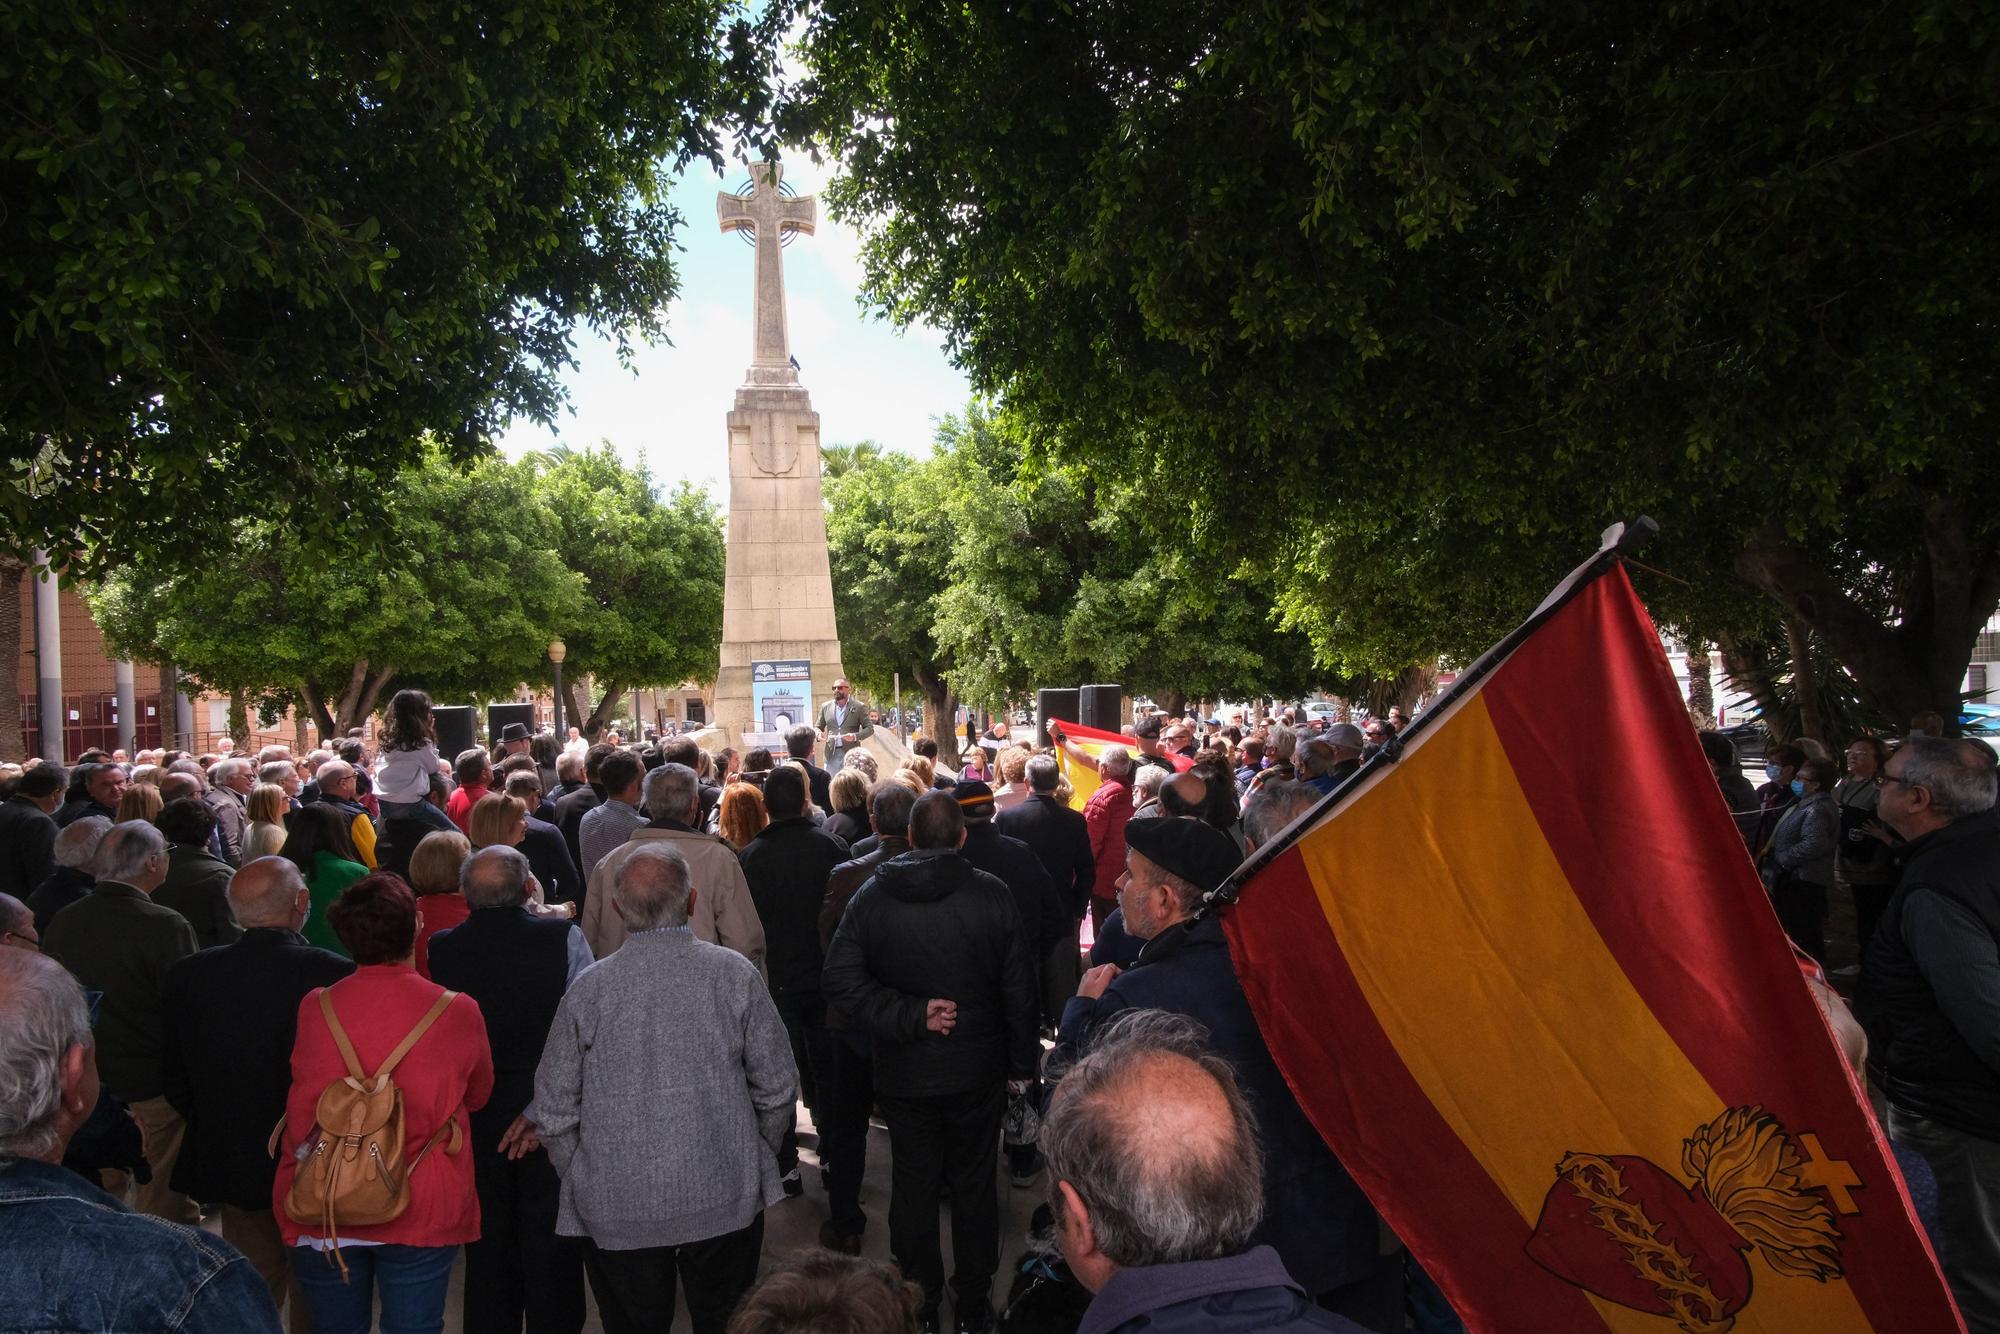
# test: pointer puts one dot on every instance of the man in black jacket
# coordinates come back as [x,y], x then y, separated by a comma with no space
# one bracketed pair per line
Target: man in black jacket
[517,966]
[543,844]
[572,808]
[931,959]
[102,784]
[799,743]
[27,833]
[787,866]
[1061,839]
[683,750]
[75,853]
[231,1016]
[850,1092]
[1931,991]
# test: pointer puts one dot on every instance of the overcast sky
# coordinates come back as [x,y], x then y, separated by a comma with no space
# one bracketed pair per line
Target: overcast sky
[868,382]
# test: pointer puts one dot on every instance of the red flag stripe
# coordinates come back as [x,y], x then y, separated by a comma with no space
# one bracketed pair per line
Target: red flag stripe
[1444,1198]
[1698,938]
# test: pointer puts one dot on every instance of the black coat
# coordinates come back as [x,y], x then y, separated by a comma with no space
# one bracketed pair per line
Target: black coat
[78,807]
[820,782]
[27,846]
[847,827]
[231,1017]
[516,965]
[1061,840]
[787,866]
[548,857]
[1916,1052]
[931,925]
[1044,915]
[65,885]
[569,817]
[841,887]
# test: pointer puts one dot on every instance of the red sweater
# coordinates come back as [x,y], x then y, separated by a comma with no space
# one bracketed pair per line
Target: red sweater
[447,1074]
[458,806]
[441,912]
[1105,815]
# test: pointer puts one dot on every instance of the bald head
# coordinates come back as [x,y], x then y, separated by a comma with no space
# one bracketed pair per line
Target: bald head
[1152,1151]
[15,919]
[269,891]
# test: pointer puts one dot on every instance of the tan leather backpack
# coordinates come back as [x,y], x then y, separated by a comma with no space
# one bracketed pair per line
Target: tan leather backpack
[351,1168]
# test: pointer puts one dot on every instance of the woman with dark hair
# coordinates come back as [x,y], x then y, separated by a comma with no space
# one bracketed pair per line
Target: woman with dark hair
[317,842]
[409,759]
[1781,766]
[1799,866]
[756,767]
[1865,864]
[445,1073]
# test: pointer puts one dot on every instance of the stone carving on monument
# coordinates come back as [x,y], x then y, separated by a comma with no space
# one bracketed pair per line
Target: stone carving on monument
[777,600]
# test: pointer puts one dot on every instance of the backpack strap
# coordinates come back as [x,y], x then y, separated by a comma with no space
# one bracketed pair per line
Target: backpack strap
[415,1035]
[340,1036]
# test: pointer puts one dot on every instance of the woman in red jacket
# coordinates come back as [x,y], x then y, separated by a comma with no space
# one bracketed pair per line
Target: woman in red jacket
[448,1073]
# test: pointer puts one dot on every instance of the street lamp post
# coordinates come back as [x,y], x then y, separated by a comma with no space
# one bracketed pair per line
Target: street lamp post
[557,652]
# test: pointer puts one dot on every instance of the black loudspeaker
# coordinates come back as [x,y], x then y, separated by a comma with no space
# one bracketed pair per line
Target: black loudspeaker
[1054,704]
[455,730]
[499,715]
[1102,707]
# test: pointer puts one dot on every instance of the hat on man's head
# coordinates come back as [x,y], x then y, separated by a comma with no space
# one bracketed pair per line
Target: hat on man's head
[1346,734]
[514,732]
[1194,850]
[1149,726]
[974,798]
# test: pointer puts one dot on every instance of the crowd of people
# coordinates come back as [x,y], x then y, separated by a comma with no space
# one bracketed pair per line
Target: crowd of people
[561,1009]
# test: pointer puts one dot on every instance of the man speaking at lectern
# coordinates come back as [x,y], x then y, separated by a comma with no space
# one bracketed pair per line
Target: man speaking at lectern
[843,721]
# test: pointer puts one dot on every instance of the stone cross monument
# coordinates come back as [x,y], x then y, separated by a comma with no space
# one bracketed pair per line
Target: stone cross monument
[777,601]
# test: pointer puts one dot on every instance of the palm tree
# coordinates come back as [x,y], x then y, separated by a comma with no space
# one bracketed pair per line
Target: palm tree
[836,461]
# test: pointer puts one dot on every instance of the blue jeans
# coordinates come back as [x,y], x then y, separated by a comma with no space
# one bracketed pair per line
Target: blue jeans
[418,810]
[411,1280]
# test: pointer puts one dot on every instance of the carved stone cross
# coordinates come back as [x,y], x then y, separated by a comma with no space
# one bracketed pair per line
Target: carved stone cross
[767,214]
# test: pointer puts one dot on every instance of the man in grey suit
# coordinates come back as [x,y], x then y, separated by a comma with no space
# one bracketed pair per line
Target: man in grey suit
[843,721]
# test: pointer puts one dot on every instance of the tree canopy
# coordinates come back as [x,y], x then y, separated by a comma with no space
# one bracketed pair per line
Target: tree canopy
[652,577]
[1415,300]
[250,259]
[982,576]
[475,572]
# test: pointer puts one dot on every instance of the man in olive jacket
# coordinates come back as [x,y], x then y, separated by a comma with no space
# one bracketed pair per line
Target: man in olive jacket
[931,960]
[197,883]
[117,941]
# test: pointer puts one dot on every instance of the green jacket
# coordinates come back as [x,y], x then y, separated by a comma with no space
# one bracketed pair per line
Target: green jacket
[197,887]
[117,941]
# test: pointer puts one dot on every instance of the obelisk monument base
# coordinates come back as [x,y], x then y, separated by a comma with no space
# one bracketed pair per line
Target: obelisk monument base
[777,599]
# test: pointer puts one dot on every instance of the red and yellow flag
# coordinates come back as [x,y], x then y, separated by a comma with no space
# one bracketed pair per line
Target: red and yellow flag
[1092,742]
[1526,982]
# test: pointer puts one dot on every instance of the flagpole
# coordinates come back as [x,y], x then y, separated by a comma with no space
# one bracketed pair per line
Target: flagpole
[1619,541]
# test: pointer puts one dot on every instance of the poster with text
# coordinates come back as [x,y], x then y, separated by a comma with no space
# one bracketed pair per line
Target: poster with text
[780,699]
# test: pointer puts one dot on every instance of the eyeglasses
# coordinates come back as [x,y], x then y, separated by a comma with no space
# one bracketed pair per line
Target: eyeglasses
[1884,779]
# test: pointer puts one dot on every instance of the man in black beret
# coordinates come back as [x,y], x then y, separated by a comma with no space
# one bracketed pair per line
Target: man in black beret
[1314,1215]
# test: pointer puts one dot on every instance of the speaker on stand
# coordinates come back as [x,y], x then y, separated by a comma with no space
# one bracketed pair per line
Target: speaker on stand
[1062,704]
[456,730]
[1101,707]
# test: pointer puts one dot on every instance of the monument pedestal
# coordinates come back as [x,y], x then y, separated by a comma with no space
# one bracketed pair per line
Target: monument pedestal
[777,599]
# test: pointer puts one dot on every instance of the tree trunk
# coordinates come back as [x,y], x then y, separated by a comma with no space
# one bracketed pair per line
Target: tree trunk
[13,744]
[1805,680]
[606,707]
[1414,684]
[1174,702]
[1946,597]
[315,702]
[574,714]
[939,705]
[1701,685]
[239,719]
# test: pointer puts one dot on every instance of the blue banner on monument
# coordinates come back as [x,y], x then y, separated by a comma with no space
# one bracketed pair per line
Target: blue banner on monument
[780,699]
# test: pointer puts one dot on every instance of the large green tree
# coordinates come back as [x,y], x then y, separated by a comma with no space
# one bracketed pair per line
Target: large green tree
[652,575]
[252,254]
[461,596]
[1417,298]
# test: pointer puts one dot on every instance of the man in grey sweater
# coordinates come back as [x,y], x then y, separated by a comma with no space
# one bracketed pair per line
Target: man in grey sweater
[662,1094]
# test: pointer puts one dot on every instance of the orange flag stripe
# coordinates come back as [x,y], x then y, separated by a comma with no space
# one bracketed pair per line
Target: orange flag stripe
[1501,999]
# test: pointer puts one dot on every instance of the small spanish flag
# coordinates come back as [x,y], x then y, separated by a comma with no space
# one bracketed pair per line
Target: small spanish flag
[1092,742]
[1522,976]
